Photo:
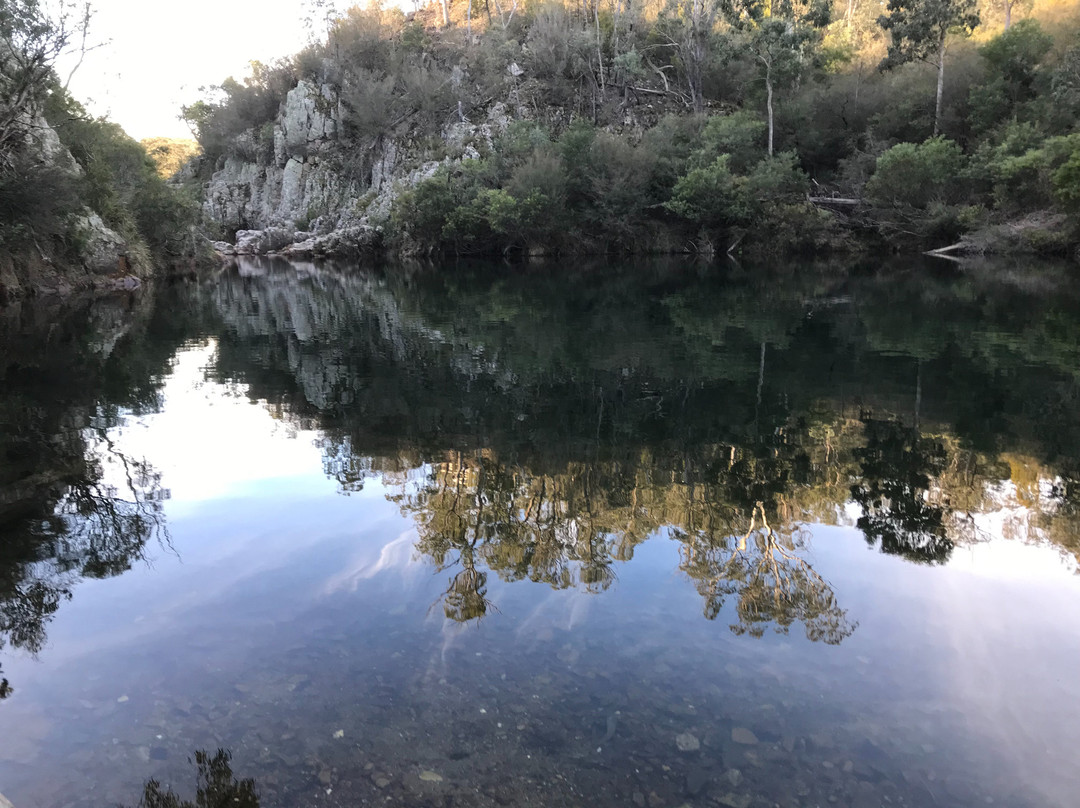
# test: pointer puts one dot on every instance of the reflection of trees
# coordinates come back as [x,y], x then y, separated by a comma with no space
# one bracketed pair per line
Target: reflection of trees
[594,409]
[897,464]
[73,504]
[96,529]
[474,510]
[772,583]
[475,514]
[215,786]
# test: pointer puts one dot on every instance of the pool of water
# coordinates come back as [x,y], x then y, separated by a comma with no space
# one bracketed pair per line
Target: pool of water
[660,536]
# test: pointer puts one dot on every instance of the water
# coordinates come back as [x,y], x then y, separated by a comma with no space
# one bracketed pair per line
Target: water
[488,537]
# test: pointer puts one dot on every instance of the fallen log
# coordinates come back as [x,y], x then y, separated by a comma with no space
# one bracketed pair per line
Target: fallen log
[944,251]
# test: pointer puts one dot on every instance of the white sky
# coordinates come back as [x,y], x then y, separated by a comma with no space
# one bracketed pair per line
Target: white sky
[157,55]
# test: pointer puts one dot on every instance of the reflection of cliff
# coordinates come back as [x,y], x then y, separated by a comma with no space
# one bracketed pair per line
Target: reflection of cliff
[72,504]
[561,420]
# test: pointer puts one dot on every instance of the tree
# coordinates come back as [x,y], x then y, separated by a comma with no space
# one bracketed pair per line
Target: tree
[31,40]
[780,36]
[920,30]
[688,27]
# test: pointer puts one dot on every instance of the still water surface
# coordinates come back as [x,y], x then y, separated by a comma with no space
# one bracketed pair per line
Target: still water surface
[491,537]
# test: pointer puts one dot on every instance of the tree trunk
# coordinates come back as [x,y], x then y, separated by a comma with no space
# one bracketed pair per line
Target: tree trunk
[599,48]
[1008,14]
[468,21]
[940,87]
[768,103]
[446,13]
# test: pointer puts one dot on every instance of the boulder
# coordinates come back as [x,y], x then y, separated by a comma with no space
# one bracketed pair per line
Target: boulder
[104,250]
[260,242]
[356,238]
[300,249]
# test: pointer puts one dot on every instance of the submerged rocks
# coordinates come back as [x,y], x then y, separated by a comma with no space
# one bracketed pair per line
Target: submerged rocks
[687,742]
[742,735]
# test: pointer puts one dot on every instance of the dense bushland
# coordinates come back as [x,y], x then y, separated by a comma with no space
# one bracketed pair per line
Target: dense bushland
[782,125]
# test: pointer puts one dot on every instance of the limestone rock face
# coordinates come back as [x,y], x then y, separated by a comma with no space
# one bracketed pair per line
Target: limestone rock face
[297,185]
[303,187]
[104,250]
[305,122]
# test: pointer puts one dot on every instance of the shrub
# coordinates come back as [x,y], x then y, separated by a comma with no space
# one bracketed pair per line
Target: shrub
[36,200]
[709,196]
[740,135]
[916,175]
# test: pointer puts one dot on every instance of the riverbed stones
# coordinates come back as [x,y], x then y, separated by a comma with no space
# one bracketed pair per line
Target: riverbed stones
[733,800]
[696,780]
[742,735]
[429,776]
[687,742]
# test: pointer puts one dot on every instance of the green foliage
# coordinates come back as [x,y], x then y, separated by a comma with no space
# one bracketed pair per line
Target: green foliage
[121,182]
[710,195]
[740,135]
[1014,78]
[915,175]
[36,202]
[1066,182]
[1065,85]
[1038,177]
[236,108]
[919,27]
[170,155]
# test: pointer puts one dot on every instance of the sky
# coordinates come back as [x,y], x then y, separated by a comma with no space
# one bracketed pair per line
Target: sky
[153,57]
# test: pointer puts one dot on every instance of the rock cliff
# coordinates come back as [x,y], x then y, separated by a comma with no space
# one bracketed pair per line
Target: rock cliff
[305,196]
[98,257]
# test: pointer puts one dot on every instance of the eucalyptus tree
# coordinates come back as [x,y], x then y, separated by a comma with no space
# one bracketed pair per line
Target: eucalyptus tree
[781,36]
[920,31]
[688,28]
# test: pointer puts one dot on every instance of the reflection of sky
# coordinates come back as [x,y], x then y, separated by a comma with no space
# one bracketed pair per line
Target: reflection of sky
[271,568]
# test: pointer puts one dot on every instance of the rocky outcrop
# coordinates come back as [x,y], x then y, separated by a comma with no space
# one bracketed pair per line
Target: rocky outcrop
[103,259]
[260,242]
[104,251]
[302,189]
[296,185]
